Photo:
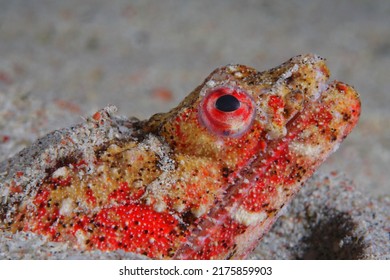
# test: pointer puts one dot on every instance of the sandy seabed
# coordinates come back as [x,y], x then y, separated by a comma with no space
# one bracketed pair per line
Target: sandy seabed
[63,60]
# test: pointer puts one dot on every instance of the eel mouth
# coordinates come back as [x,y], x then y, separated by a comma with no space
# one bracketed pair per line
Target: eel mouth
[296,84]
[251,205]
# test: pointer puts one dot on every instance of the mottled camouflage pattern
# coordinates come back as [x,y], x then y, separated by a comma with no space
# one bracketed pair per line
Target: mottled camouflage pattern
[175,189]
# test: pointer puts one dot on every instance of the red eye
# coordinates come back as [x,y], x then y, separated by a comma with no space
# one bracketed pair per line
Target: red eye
[227,111]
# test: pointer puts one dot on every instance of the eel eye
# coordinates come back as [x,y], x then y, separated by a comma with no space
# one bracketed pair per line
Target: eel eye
[227,103]
[227,111]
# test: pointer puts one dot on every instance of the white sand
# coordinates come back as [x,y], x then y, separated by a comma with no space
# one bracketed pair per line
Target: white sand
[61,60]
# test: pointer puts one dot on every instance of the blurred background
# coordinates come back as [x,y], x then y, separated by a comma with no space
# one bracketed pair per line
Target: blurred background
[62,60]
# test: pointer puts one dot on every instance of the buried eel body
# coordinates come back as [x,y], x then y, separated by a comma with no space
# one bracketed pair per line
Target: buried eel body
[203,181]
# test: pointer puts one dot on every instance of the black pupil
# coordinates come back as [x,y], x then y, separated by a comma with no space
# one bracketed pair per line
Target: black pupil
[227,103]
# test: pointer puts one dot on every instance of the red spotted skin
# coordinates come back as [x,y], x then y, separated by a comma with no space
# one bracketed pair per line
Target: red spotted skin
[203,181]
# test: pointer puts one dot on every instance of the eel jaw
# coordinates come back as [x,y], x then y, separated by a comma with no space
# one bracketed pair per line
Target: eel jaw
[251,206]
